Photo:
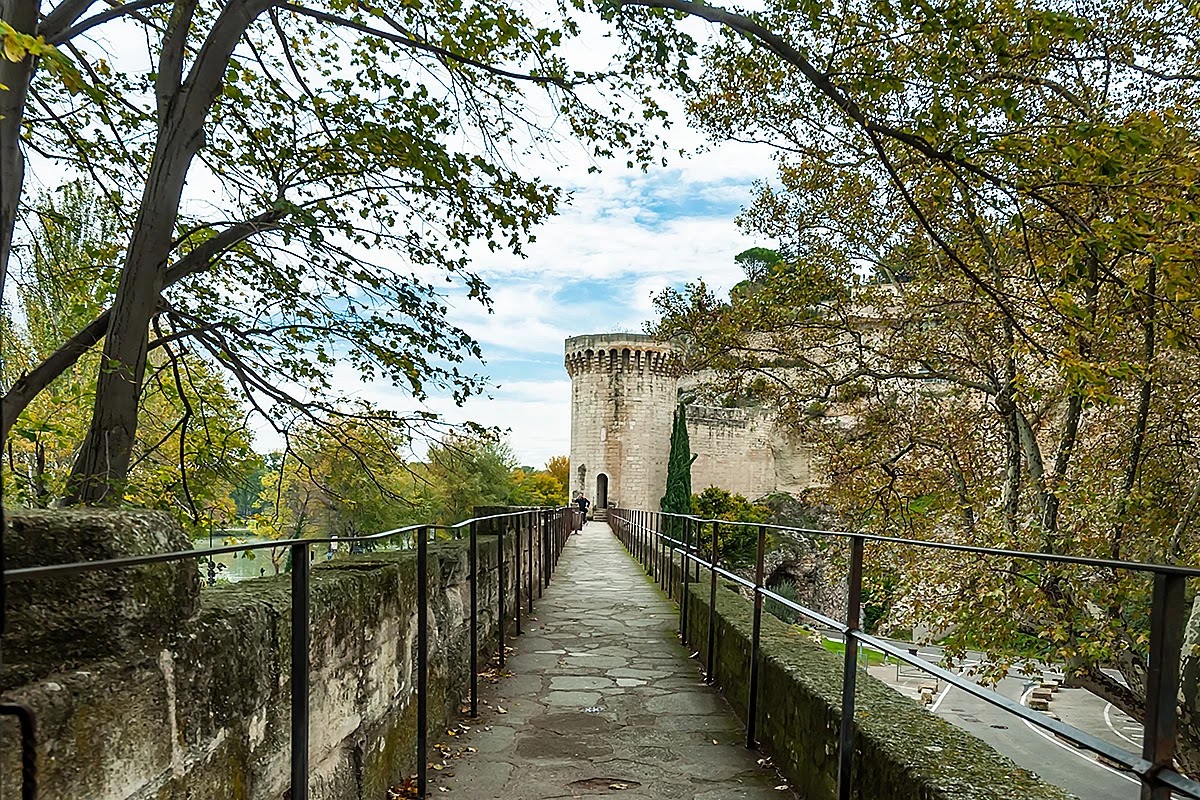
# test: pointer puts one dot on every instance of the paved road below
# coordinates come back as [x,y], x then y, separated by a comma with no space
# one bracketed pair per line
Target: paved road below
[1057,762]
[602,699]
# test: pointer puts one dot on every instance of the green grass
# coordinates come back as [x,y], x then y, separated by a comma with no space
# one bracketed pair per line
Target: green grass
[873,657]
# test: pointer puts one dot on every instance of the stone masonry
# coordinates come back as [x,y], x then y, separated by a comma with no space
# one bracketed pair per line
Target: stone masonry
[624,390]
[187,695]
[601,699]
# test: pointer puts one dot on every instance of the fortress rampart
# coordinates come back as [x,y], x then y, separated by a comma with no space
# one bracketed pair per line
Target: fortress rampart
[624,389]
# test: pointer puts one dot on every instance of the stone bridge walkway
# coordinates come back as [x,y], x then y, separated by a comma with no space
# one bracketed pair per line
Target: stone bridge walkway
[603,700]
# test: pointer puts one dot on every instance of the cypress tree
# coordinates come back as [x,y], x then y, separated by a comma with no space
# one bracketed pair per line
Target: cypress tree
[678,499]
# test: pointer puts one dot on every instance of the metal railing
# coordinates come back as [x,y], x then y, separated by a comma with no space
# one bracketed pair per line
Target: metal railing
[645,534]
[539,533]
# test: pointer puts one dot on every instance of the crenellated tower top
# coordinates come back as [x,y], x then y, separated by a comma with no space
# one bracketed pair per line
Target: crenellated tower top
[621,353]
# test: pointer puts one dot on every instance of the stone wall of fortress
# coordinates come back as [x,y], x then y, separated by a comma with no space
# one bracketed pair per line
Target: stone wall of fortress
[743,451]
[624,389]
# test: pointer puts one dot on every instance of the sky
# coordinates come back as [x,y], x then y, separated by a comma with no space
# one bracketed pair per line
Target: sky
[624,236]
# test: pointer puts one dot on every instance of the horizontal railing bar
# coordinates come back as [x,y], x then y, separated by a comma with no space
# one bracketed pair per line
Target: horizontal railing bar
[1107,563]
[736,578]
[1176,781]
[1126,760]
[79,567]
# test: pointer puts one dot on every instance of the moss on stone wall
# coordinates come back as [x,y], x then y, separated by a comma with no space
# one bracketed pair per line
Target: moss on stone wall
[198,708]
[60,622]
[902,751]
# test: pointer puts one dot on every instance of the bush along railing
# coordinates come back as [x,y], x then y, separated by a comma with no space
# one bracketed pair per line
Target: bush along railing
[674,553]
[540,535]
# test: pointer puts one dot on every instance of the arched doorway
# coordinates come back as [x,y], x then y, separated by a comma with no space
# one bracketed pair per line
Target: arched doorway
[601,491]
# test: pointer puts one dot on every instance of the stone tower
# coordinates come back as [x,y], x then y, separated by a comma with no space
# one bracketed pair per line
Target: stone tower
[623,389]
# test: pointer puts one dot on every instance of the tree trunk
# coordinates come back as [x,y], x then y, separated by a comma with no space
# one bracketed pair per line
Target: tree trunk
[103,462]
[198,259]
[100,470]
[1188,740]
[16,75]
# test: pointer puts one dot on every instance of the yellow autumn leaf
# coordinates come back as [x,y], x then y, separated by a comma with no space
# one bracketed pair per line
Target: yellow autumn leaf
[13,50]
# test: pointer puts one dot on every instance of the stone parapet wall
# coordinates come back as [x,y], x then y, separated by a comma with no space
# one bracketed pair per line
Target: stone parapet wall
[203,711]
[901,750]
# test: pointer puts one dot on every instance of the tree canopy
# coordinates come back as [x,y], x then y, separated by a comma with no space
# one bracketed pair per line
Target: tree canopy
[989,213]
[291,188]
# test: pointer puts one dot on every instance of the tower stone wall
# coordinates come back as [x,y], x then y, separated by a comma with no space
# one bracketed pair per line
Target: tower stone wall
[623,394]
[624,389]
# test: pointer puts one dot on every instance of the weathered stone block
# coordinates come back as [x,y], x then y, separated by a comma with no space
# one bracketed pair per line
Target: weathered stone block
[63,621]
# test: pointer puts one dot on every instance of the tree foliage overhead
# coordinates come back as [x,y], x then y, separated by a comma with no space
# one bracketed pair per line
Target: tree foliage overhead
[990,291]
[193,445]
[292,186]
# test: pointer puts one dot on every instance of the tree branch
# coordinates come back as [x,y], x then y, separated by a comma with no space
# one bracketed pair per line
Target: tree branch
[417,44]
[57,38]
[202,257]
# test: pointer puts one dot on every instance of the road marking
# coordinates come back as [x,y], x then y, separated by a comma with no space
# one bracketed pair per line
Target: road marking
[1108,721]
[940,698]
[1050,738]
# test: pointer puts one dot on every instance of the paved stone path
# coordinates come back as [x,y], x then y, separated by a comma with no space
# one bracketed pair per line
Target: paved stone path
[603,700]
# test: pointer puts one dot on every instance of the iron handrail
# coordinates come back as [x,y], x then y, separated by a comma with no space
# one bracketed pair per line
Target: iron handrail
[78,567]
[644,535]
[1107,563]
[553,526]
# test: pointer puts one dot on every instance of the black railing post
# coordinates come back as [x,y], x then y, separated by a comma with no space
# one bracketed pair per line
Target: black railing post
[536,534]
[653,550]
[712,606]
[300,672]
[658,549]
[686,564]
[422,659]
[850,669]
[637,546]
[645,540]
[651,569]
[1162,681]
[664,552]
[531,517]
[755,639]
[647,562]
[520,576]
[502,618]
[474,558]
[546,545]
[656,521]
[673,580]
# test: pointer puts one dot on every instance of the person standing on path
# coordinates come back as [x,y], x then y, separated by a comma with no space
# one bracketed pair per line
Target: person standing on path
[583,504]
